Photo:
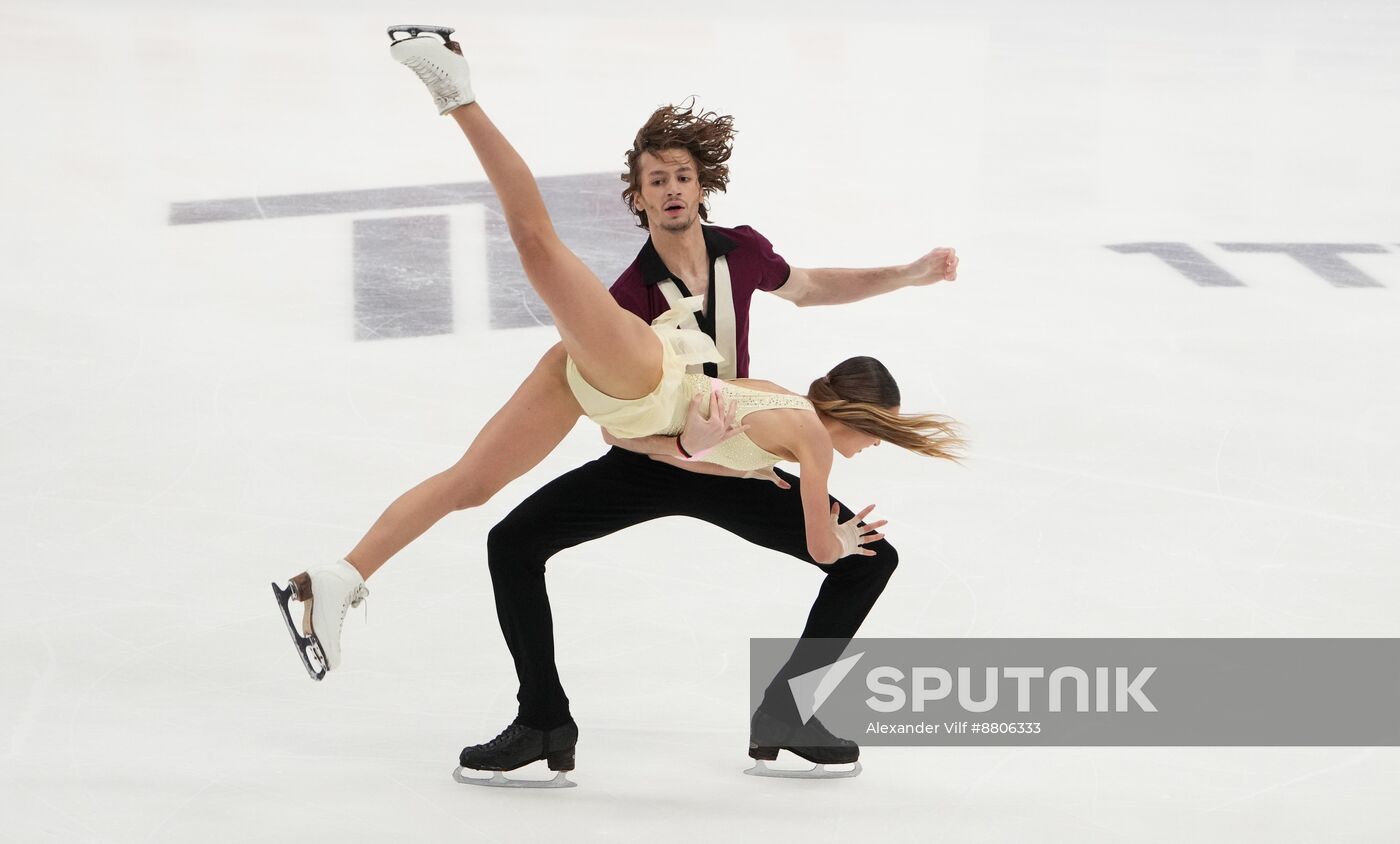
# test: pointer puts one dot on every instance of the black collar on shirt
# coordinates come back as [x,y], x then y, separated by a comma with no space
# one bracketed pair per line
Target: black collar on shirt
[654,271]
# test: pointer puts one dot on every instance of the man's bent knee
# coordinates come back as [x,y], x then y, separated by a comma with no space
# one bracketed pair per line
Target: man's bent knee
[886,555]
[512,544]
[886,558]
[881,565]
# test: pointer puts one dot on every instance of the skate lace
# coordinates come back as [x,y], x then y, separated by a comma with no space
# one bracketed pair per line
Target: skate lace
[437,79]
[817,732]
[358,595]
[507,735]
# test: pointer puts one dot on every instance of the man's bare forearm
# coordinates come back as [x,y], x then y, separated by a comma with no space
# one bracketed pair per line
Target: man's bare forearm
[666,453]
[660,445]
[836,286]
[700,467]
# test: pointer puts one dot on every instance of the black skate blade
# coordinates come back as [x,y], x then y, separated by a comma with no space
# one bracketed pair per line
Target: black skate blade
[413,30]
[498,779]
[306,648]
[819,772]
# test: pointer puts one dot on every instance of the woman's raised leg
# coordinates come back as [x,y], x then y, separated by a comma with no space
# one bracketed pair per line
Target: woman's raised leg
[615,351]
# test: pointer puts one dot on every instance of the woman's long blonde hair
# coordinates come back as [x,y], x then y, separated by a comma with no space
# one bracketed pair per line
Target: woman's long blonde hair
[859,392]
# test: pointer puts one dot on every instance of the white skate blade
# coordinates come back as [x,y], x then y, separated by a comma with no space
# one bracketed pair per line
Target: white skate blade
[820,772]
[498,779]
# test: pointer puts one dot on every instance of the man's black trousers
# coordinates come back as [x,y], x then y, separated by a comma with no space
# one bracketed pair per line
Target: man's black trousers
[622,489]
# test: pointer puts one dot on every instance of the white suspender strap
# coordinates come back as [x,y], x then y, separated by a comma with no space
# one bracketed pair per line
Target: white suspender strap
[673,296]
[726,332]
[726,339]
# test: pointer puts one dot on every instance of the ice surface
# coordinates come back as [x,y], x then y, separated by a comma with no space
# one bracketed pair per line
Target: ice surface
[190,410]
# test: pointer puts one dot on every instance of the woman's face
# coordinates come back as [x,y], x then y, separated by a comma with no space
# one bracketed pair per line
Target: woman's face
[849,442]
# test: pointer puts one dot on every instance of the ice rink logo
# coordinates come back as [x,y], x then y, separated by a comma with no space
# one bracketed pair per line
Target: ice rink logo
[407,264]
[1323,260]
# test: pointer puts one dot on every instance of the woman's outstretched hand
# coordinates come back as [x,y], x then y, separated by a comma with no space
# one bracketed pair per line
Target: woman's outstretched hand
[854,535]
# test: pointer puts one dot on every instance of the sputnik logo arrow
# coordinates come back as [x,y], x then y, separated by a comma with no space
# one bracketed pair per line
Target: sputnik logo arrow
[810,690]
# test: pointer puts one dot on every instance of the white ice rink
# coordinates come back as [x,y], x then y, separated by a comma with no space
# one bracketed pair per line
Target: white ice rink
[189,411]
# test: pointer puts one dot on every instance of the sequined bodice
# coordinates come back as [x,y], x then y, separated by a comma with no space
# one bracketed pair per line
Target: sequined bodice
[738,452]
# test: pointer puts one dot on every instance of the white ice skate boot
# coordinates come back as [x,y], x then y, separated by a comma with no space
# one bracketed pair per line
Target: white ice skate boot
[438,63]
[326,593]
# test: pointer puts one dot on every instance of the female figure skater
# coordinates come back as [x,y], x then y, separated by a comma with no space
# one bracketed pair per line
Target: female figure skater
[631,378]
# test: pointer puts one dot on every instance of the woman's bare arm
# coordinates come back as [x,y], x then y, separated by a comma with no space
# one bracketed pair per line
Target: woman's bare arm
[810,444]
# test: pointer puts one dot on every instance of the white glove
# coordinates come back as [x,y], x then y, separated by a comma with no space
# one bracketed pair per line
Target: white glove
[853,535]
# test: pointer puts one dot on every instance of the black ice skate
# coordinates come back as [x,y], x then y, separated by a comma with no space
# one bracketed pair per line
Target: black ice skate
[811,741]
[516,747]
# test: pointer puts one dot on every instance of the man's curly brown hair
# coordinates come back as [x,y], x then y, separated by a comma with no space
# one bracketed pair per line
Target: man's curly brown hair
[707,136]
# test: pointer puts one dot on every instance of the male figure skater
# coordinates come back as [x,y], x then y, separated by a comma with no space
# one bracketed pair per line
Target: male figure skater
[676,161]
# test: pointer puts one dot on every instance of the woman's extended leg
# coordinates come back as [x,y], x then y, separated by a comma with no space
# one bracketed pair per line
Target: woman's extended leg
[526,429]
[615,351]
[521,433]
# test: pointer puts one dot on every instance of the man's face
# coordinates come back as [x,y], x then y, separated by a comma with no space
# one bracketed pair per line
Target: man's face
[670,190]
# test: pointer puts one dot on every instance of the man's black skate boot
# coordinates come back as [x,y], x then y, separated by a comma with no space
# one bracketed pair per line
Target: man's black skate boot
[519,745]
[812,741]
